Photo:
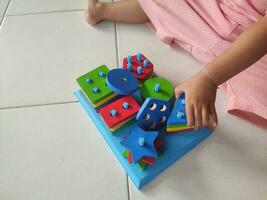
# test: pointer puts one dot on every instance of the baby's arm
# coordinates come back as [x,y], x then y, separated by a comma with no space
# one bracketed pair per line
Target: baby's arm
[249,47]
[200,90]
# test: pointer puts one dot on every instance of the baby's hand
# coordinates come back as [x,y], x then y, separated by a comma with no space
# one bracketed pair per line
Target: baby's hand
[200,95]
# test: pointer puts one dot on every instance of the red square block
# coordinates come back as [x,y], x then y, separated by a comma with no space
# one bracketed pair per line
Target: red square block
[146,71]
[115,113]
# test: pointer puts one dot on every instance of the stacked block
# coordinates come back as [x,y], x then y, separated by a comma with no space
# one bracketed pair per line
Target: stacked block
[153,114]
[112,97]
[157,87]
[177,120]
[139,65]
[93,85]
[142,147]
[122,81]
[119,112]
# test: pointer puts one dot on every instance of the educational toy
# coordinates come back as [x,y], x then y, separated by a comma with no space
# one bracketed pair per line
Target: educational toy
[139,65]
[175,145]
[153,114]
[146,153]
[121,81]
[116,113]
[141,143]
[145,161]
[93,84]
[157,87]
[177,120]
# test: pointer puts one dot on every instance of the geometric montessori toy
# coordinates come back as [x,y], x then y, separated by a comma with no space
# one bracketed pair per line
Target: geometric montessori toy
[153,114]
[139,65]
[145,161]
[137,136]
[173,148]
[141,143]
[157,87]
[177,120]
[93,84]
[122,81]
[119,112]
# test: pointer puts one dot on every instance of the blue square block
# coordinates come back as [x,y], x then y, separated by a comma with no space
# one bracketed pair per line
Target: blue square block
[153,114]
[174,147]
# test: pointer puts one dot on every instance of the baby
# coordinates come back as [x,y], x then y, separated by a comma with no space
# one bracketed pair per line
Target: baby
[229,36]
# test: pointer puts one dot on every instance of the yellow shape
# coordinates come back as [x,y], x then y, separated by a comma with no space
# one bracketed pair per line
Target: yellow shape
[102,101]
[178,129]
[120,125]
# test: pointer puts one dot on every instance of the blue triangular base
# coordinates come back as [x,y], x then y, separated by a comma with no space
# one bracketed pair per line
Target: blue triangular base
[175,145]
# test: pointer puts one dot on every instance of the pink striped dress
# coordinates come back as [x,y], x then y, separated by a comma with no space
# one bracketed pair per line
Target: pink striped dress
[205,28]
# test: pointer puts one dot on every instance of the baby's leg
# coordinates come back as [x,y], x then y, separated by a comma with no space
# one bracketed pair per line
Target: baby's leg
[128,11]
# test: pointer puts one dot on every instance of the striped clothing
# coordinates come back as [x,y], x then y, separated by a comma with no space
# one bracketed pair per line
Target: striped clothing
[205,28]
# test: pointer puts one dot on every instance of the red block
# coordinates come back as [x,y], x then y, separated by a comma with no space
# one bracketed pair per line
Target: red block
[130,157]
[122,113]
[158,142]
[148,160]
[147,72]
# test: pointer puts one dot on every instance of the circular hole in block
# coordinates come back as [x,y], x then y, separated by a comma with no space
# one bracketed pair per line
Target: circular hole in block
[146,117]
[163,119]
[180,114]
[88,80]
[113,113]
[163,108]
[125,105]
[123,79]
[153,106]
[95,90]
[101,74]
[152,125]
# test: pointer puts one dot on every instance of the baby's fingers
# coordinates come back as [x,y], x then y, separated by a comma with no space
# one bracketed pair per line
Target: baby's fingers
[190,114]
[198,116]
[178,91]
[205,115]
[213,116]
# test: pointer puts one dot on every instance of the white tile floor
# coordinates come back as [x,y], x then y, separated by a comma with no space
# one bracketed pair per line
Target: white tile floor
[55,152]
[3,6]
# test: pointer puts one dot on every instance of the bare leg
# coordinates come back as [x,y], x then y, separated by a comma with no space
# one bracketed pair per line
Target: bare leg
[127,11]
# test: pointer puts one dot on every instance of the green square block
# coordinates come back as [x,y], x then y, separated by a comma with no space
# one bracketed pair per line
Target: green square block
[96,81]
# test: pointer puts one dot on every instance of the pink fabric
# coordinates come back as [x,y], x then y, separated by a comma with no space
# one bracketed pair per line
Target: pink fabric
[205,28]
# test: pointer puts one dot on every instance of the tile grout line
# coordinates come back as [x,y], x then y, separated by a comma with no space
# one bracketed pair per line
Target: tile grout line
[5,13]
[116,44]
[38,105]
[44,12]
[128,187]
[117,60]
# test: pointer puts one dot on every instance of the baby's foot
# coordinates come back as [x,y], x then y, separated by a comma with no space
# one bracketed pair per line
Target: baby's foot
[94,12]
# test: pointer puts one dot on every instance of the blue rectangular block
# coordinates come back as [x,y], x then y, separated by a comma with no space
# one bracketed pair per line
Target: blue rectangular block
[174,147]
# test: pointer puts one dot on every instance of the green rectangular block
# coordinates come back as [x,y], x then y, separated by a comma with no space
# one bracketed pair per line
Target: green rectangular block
[95,79]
